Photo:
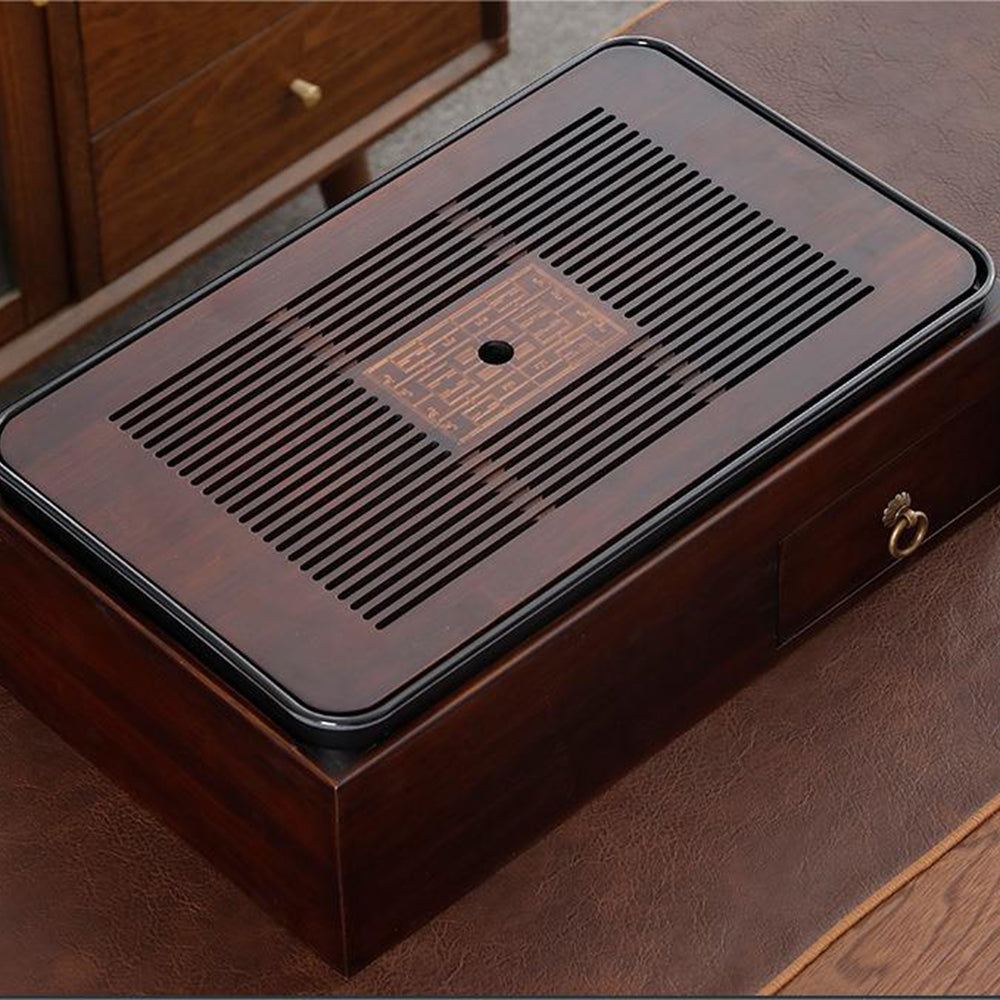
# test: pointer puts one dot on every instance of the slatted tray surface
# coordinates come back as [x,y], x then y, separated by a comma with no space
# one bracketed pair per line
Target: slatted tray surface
[320,463]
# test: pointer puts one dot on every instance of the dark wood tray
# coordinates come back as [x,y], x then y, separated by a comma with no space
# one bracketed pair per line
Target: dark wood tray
[320,484]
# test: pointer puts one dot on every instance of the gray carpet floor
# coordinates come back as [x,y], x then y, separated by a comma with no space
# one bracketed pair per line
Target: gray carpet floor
[543,33]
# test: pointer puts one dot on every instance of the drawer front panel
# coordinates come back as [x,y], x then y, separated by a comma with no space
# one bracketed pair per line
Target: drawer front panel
[182,157]
[134,51]
[846,545]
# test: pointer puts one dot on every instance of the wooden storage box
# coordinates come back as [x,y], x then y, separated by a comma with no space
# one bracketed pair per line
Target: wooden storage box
[352,849]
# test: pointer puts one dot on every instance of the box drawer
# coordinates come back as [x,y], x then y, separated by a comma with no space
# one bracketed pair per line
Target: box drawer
[133,52]
[183,156]
[845,545]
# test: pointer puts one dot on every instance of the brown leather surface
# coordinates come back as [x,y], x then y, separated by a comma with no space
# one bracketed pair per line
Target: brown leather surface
[716,862]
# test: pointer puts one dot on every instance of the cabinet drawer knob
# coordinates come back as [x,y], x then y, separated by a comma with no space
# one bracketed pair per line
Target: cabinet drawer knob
[310,94]
[908,526]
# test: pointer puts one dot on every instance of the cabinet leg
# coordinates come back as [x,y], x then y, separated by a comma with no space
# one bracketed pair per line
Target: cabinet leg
[351,175]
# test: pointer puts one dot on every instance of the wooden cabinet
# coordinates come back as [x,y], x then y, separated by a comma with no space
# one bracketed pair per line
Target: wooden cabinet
[34,280]
[126,63]
[136,135]
[212,136]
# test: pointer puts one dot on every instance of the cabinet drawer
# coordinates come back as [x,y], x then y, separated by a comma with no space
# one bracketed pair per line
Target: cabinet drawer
[845,545]
[182,157]
[134,51]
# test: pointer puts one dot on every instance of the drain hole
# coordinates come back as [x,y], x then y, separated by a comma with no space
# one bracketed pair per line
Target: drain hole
[496,352]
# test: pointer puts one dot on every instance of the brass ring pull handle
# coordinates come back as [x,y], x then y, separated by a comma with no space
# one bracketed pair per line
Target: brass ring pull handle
[900,516]
[310,94]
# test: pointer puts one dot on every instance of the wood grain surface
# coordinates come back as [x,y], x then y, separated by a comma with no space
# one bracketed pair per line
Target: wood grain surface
[938,935]
[396,538]
[198,146]
[844,545]
[31,220]
[133,52]
[70,95]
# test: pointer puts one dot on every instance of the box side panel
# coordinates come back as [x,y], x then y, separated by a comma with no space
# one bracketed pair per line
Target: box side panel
[170,735]
[453,799]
